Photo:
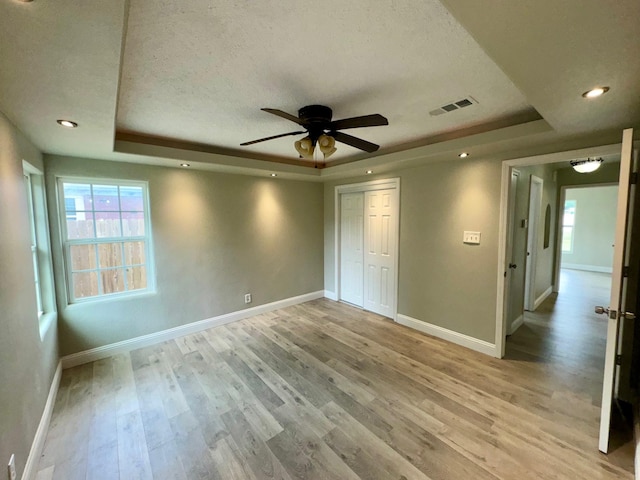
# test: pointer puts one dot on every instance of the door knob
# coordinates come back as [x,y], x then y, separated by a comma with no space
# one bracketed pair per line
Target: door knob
[513,265]
[613,314]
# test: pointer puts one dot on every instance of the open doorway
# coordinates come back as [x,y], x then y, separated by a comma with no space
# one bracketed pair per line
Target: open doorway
[587,228]
[544,238]
[560,335]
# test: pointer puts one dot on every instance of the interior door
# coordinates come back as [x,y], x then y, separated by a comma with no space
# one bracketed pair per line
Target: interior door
[380,247]
[535,201]
[510,287]
[616,311]
[351,247]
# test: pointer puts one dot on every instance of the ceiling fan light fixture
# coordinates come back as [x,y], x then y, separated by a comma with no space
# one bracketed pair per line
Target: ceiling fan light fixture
[327,145]
[305,148]
[587,165]
[323,131]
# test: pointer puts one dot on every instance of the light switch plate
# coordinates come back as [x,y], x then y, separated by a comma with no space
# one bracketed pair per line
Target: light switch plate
[472,238]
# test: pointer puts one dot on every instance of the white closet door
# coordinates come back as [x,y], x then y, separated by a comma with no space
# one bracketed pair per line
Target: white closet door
[351,247]
[380,246]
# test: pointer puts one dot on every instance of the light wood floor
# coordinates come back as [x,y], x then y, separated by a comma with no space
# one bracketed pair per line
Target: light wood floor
[322,391]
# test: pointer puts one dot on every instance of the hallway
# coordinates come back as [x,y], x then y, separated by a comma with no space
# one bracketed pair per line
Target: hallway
[567,336]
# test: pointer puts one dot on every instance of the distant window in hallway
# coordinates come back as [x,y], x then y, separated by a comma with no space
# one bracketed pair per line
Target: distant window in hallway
[568,224]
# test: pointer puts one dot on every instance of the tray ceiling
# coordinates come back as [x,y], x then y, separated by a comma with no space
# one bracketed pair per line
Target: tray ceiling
[201,72]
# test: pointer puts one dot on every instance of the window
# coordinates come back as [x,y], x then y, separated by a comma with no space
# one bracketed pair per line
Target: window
[40,248]
[106,237]
[568,225]
[34,240]
[70,208]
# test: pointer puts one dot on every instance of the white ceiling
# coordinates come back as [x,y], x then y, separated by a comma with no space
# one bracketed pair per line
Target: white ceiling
[200,73]
[197,73]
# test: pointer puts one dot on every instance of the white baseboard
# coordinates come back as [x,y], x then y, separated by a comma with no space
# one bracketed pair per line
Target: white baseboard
[449,335]
[588,268]
[105,351]
[516,324]
[542,297]
[41,433]
[331,295]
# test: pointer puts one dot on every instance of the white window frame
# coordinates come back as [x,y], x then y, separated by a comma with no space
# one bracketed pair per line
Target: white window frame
[67,243]
[34,239]
[41,247]
[573,227]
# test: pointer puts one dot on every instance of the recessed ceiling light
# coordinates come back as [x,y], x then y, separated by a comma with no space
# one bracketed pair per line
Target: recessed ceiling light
[369,171]
[595,92]
[274,174]
[185,165]
[463,155]
[67,123]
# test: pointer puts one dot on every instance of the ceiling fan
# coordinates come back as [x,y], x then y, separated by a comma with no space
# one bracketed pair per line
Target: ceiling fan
[322,131]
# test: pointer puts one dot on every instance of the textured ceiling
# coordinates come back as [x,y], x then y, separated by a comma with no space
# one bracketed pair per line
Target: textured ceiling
[201,72]
[192,76]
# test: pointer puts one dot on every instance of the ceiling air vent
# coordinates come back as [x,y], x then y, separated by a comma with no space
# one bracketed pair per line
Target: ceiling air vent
[450,107]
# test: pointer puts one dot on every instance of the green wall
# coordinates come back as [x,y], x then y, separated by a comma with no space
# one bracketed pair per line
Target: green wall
[27,361]
[215,237]
[595,227]
[441,281]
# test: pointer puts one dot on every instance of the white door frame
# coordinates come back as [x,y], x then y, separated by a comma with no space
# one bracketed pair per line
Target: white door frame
[503,261]
[379,184]
[533,227]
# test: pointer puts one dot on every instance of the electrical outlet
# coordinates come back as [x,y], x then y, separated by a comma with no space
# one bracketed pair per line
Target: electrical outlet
[247,298]
[11,468]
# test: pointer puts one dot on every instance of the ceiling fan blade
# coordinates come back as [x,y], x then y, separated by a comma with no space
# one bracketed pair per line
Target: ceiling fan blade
[355,142]
[270,138]
[282,114]
[374,120]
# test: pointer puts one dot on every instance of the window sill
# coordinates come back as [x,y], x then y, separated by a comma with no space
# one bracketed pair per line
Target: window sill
[111,298]
[46,321]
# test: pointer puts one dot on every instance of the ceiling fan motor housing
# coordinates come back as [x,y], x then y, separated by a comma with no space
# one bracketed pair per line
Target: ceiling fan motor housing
[315,114]
[316,118]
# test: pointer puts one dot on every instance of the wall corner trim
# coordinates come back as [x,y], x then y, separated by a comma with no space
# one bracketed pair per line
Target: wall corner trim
[331,295]
[43,427]
[105,351]
[449,335]
[542,297]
